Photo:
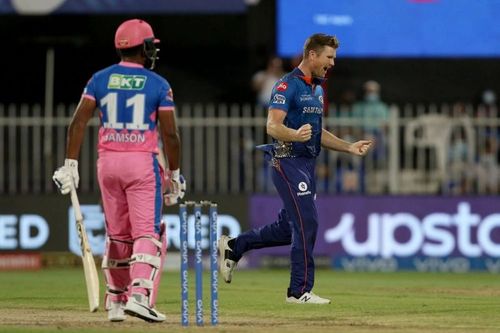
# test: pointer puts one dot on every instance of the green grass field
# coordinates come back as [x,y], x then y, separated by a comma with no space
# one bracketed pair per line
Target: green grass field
[55,301]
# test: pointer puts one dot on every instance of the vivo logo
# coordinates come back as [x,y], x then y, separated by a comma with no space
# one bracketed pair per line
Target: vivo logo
[435,235]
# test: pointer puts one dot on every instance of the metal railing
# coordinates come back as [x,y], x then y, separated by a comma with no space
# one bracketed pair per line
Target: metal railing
[449,149]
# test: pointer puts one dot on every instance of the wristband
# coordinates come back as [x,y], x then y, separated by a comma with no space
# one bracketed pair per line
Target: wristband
[176,174]
[68,162]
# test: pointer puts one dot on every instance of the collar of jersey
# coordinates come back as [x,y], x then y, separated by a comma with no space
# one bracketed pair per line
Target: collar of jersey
[310,80]
[130,64]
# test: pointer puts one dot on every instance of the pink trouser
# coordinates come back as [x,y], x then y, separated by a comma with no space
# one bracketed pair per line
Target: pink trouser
[131,190]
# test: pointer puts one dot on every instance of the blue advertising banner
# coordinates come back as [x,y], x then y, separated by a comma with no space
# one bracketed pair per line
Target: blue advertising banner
[46,7]
[390,233]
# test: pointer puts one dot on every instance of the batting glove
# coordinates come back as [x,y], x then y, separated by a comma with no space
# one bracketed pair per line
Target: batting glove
[67,176]
[176,188]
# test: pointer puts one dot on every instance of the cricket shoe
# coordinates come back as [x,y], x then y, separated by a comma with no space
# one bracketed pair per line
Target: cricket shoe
[307,298]
[138,306]
[116,311]
[226,265]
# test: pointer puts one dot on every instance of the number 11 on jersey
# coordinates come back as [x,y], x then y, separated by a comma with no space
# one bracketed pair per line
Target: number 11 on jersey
[137,102]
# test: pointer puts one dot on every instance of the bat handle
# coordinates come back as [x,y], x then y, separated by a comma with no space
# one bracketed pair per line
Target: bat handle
[76,204]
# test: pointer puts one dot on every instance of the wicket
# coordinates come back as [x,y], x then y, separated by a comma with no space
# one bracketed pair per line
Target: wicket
[212,222]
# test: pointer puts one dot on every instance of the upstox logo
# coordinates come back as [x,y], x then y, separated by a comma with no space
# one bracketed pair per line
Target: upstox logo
[126,82]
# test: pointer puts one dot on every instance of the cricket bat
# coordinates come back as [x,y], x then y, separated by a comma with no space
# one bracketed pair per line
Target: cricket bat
[91,277]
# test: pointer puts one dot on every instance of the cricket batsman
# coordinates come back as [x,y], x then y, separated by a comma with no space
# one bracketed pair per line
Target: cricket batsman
[135,105]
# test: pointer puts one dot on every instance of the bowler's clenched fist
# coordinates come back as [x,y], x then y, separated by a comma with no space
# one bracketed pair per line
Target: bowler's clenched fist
[304,133]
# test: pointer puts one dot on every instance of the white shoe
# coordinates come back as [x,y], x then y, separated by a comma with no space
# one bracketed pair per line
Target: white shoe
[226,266]
[138,306]
[309,298]
[116,311]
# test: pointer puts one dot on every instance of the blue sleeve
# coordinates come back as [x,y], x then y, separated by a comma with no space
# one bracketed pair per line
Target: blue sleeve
[282,95]
[90,90]
[166,97]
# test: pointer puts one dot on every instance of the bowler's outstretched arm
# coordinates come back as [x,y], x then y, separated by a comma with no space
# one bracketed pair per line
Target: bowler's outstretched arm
[332,142]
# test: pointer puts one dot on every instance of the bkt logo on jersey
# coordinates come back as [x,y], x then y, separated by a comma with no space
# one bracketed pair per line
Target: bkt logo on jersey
[127,82]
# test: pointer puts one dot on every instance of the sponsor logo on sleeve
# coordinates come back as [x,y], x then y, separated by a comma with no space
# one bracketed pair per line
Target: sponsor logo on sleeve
[282,86]
[279,99]
[170,95]
[320,99]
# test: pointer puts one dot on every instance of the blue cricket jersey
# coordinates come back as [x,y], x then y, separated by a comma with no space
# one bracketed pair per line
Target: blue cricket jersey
[302,99]
[129,98]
